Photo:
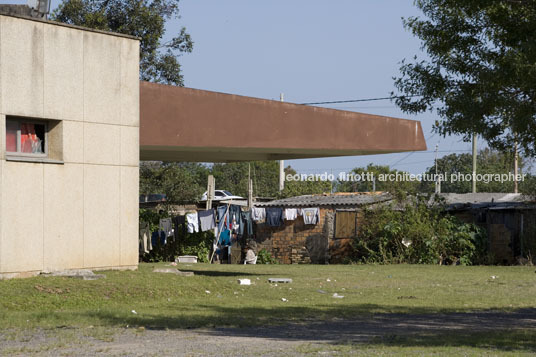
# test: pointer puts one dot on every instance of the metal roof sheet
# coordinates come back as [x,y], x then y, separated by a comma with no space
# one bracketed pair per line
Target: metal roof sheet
[345,200]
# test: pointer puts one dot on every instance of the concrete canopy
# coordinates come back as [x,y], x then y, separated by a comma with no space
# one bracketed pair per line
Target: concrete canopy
[183,124]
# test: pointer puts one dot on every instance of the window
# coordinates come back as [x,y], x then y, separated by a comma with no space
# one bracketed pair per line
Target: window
[34,140]
[26,137]
[345,224]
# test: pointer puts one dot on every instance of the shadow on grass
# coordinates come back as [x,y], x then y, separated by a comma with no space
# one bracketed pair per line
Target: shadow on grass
[505,340]
[216,273]
[348,325]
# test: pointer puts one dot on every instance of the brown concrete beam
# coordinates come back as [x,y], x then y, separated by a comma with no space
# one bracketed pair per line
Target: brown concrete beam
[183,124]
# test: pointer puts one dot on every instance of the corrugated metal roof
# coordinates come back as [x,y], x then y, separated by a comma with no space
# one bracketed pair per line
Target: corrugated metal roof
[483,197]
[352,199]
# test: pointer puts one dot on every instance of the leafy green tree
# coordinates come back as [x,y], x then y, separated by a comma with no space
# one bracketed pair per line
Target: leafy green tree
[145,19]
[300,188]
[233,177]
[457,165]
[480,73]
[362,181]
[180,182]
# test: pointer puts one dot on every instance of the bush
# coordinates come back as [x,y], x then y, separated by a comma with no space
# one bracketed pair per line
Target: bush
[265,257]
[417,232]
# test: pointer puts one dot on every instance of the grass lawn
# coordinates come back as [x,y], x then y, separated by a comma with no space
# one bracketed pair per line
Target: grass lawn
[213,298]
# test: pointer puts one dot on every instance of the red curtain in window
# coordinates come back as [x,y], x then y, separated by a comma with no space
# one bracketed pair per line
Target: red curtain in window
[29,142]
[11,138]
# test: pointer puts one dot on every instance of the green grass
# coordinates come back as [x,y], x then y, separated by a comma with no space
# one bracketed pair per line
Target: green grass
[170,301]
[165,301]
[504,343]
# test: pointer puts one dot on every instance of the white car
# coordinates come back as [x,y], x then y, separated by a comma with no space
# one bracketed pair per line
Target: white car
[220,195]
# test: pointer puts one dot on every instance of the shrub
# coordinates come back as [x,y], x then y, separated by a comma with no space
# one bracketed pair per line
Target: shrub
[418,232]
[265,257]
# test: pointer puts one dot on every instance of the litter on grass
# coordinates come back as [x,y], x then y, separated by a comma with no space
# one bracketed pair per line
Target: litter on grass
[280,280]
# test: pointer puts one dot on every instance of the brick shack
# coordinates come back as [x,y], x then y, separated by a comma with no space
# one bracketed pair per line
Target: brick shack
[329,241]
[508,218]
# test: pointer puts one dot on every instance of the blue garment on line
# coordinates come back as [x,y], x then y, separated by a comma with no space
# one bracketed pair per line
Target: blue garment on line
[225,238]
[221,215]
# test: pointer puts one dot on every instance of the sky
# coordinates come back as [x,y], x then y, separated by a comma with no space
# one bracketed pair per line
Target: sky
[312,51]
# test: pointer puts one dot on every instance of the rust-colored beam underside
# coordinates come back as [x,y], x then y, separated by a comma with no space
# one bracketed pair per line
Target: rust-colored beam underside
[183,124]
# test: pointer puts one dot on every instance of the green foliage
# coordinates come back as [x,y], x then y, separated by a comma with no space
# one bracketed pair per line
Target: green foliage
[145,19]
[488,162]
[479,73]
[265,257]
[414,231]
[365,184]
[181,182]
[300,188]
[233,177]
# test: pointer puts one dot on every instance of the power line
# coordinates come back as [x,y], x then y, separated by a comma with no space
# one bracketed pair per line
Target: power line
[411,153]
[362,100]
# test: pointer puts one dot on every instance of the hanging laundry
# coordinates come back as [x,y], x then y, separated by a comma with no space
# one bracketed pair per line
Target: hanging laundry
[246,224]
[310,215]
[258,214]
[291,214]
[193,222]
[179,221]
[158,238]
[274,216]
[145,238]
[225,238]
[166,226]
[234,216]
[207,220]
[222,218]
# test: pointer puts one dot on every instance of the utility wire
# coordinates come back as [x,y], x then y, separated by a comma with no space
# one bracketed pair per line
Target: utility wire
[411,153]
[362,100]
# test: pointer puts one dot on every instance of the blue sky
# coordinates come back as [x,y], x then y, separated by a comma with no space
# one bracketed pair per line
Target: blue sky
[310,50]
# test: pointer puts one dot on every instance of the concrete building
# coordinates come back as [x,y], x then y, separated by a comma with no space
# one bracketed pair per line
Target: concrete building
[69,153]
[75,120]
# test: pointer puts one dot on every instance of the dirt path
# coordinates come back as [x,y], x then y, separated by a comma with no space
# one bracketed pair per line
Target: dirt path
[266,341]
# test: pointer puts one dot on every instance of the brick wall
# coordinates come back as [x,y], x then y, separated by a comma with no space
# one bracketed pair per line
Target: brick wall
[297,243]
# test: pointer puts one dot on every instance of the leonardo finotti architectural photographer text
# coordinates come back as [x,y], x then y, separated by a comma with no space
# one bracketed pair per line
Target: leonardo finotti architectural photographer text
[405,176]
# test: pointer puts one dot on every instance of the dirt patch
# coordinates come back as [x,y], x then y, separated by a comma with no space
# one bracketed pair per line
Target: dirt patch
[266,341]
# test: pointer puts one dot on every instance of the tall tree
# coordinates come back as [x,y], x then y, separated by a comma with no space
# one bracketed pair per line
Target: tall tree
[180,182]
[480,73]
[489,162]
[234,177]
[145,19]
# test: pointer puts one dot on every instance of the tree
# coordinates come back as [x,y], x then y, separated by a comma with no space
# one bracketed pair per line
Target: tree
[299,188]
[362,181]
[180,182]
[481,72]
[145,19]
[233,177]
[489,162]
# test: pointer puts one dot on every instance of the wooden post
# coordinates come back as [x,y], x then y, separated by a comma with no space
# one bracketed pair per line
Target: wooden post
[210,191]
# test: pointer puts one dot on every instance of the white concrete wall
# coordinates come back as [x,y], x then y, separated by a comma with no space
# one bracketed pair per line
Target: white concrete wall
[82,213]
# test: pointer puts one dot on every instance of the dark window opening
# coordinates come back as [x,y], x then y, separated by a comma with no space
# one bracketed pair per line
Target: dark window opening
[26,137]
